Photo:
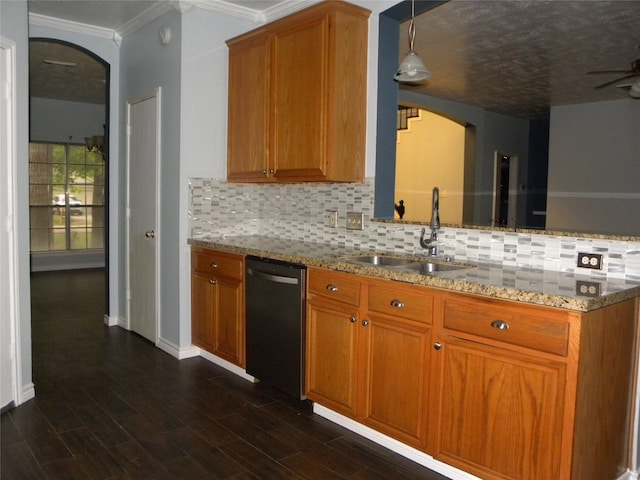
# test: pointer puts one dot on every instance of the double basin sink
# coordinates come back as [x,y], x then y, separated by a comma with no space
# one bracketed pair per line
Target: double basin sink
[410,265]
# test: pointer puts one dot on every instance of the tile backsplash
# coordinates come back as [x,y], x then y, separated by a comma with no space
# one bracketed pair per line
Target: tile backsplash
[299,212]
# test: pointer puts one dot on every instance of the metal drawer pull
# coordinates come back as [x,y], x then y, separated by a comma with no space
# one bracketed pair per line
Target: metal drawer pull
[500,325]
[365,323]
[212,282]
[213,265]
[437,345]
[332,288]
[353,319]
[397,303]
[150,234]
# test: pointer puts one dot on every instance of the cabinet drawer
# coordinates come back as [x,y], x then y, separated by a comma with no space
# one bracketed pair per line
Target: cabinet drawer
[517,325]
[342,287]
[398,301]
[217,263]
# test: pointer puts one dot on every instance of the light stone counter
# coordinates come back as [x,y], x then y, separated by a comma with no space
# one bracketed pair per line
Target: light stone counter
[542,287]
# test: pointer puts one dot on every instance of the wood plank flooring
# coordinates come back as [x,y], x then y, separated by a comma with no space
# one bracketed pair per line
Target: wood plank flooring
[109,405]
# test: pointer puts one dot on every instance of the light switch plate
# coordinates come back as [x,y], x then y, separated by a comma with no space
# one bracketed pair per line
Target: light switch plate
[331,219]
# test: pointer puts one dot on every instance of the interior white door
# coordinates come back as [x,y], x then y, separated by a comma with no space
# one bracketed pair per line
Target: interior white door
[8,280]
[143,127]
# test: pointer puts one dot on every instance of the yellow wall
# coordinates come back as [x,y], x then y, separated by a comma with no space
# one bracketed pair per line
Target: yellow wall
[430,154]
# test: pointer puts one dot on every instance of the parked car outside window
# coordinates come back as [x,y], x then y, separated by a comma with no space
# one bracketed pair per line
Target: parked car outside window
[60,201]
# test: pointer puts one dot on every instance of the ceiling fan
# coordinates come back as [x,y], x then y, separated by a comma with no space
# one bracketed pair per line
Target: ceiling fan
[633,71]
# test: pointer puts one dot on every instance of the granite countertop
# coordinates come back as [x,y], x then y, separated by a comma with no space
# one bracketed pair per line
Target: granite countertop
[541,287]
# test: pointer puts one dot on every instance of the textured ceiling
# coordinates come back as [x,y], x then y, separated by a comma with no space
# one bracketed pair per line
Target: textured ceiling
[520,57]
[510,56]
[84,83]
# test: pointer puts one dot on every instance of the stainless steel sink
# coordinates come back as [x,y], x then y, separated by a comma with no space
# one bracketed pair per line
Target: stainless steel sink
[379,260]
[423,267]
[428,268]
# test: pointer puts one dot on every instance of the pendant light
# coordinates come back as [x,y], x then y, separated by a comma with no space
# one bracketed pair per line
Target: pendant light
[412,67]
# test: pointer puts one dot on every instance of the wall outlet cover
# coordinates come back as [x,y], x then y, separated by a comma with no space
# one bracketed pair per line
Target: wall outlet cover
[590,260]
[354,221]
[587,289]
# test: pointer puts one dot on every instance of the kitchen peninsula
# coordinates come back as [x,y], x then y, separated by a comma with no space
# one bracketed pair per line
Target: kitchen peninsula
[496,371]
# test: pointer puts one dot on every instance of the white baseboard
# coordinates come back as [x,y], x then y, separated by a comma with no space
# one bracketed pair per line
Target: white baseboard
[227,365]
[111,321]
[27,393]
[176,351]
[410,452]
[394,445]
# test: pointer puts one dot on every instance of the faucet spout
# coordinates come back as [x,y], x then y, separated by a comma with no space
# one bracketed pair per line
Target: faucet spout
[431,244]
[435,212]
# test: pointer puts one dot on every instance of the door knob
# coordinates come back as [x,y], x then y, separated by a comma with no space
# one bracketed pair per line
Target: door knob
[150,234]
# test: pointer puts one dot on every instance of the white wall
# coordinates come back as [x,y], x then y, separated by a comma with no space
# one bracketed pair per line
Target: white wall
[203,147]
[61,121]
[594,162]
[13,26]
[146,65]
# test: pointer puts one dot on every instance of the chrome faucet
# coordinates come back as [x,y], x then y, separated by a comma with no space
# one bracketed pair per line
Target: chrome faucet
[431,244]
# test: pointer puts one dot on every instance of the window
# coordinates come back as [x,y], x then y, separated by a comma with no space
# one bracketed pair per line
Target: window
[66,197]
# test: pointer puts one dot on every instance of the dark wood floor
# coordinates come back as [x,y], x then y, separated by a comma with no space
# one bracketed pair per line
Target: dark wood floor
[109,405]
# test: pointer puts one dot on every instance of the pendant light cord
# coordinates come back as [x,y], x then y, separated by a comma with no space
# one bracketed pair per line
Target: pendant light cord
[412,27]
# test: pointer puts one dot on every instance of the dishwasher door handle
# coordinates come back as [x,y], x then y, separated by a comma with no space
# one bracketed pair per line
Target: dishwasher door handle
[272,278]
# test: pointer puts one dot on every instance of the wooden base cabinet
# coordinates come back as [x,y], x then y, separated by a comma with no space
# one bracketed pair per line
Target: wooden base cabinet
[522,392]
[501,413]
[501,389]
[217,303]
[294,113]
[368,348]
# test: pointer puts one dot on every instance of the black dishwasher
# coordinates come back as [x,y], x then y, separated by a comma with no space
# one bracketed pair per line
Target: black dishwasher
[275,331]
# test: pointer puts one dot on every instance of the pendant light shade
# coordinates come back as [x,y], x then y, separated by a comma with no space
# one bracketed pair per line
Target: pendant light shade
[412,68]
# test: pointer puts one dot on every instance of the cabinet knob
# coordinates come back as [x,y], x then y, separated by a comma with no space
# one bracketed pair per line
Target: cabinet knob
[332,288]
[264,172]
[212,282]
[150,234]
[353,319]
[500,325]
[437,345]
[365,323]
[397,303]
[213,265]
[272,170]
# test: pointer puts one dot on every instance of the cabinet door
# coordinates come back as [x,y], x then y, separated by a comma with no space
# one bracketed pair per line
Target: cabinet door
[202,303]
[331,355]
[501,413]
[248,129]
[300,72]
[397,366]
[228,325]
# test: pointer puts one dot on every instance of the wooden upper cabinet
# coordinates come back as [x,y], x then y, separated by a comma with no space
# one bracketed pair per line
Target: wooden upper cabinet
[297,97]
[249,105]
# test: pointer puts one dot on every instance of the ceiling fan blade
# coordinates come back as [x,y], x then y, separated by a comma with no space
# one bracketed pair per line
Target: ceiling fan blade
[610,71]
[606,84]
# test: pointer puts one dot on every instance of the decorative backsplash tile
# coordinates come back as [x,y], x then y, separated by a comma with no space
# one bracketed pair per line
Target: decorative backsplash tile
[298,212]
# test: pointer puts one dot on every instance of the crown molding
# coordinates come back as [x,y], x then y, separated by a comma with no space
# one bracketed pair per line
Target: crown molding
[283,9]
[69,26]
[149,15]
[280,10]
[158,9]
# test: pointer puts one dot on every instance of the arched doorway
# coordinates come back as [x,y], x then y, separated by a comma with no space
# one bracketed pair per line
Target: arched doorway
[69,135]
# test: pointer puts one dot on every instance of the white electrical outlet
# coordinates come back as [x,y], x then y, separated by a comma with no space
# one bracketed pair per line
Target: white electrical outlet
[590,260]
[332,219]
[354,221]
